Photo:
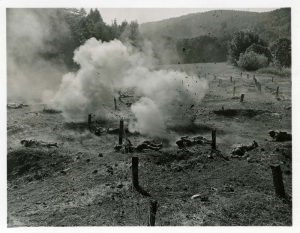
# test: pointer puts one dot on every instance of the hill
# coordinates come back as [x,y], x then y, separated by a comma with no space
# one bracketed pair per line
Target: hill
[187,34]
[222,23]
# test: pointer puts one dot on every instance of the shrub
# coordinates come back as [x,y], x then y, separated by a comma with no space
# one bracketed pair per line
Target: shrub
[252,61]
[259,49]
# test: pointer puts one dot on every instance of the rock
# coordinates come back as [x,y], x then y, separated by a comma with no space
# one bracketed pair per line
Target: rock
[100,155]
[95,171]
[88,160]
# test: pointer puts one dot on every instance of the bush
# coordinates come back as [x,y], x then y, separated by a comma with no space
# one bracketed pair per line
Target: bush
[252,61]
[259,49]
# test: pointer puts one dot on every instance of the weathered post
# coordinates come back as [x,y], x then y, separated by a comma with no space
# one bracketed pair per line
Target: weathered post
[115,102]
[220,81]
[277,91]
[272,79]
[242,97]
[247,76]
[259,87]
[135,172]
[234,88]
[277,181]
[121,131]
[230,78]
[152,213]
[89,121]
[213,139]
[241,74]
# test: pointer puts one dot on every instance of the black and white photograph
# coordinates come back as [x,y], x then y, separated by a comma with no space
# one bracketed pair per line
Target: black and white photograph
[148,116]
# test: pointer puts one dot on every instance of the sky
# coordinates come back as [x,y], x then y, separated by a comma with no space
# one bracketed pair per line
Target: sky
[143,15]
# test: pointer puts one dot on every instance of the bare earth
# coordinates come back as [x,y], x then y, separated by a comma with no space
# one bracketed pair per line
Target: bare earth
[84,182]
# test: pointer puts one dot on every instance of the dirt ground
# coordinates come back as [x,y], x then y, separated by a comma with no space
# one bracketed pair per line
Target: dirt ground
[85,182]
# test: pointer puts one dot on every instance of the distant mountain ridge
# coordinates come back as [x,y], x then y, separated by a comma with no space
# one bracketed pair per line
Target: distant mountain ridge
[222,24]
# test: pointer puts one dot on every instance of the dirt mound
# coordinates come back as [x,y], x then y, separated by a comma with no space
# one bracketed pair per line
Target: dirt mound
[34,163]
[239,112]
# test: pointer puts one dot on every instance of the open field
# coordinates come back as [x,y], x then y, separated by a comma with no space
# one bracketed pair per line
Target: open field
[85,182]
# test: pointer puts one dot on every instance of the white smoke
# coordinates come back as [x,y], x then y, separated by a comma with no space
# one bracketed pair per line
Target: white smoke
[168,97]
[28,34]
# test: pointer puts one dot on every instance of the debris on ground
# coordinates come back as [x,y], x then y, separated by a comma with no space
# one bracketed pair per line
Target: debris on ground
[16,105]
[241,149]
[187,141]
[280,136]
[202,196]
[35,143]
[149,145]
[127,146]
[51,110]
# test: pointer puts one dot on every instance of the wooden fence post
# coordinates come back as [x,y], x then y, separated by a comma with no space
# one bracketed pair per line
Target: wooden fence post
[135,172]
[121,131]
[89,121]
[277,181]
[213,139]
[152,213]
[115,102]
[277,91]
[242,97]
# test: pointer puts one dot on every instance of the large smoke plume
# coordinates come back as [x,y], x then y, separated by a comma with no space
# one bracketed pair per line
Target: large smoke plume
[29,32]
[167,97]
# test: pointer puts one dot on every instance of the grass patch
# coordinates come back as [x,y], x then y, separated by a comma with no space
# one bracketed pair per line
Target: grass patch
[285,72]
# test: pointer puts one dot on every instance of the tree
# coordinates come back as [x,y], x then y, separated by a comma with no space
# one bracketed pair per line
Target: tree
[131,33]
[240,42]
[281,52]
